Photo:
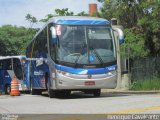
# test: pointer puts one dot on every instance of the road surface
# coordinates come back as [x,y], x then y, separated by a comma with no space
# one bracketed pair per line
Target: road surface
[79,103]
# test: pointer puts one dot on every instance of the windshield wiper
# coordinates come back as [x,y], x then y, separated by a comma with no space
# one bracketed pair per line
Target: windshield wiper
[82,48]
[97,55]
[58,41]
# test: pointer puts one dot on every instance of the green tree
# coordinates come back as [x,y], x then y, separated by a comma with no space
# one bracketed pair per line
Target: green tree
[13,39]
[150,26]
[62,12]
[31,19]
[58,12]
[140,19]
[126,11]
[134,46]
[83,13]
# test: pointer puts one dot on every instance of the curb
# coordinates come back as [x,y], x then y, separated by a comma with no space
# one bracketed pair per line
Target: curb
[129,92]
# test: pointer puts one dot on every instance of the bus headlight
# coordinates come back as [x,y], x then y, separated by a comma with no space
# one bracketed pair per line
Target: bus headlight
[111,73]
[63,73]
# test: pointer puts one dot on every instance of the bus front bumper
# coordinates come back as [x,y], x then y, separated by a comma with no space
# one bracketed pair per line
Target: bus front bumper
[97,81]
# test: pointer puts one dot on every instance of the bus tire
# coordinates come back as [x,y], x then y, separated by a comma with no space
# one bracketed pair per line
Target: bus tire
[32,91]
[35,91]
[55,93]
[97,92]
[66,93]
[46,81]
[51,93]
[7,89]
[28,92]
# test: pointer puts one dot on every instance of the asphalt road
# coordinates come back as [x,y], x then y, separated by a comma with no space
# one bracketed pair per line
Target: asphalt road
[79,103]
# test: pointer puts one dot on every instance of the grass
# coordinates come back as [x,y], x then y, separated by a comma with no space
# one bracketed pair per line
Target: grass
[153,84]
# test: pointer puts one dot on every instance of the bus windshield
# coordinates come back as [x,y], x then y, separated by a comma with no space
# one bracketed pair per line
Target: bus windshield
[85,45]
[14,65]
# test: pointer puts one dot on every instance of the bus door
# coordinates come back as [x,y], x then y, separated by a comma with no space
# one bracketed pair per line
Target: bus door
[20,73]
[26,73]
[5,78]
[37,73]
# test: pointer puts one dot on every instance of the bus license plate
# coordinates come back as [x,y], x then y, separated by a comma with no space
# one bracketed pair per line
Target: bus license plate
[88,83]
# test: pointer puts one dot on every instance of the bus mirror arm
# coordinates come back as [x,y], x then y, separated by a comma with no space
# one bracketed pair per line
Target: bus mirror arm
[120,34]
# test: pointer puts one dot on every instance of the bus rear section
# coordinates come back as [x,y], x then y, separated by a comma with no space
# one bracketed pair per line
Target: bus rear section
[5,81]
[79,53]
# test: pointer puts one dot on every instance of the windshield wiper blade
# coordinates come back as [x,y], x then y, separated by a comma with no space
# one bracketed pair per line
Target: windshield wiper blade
[83,45]
[97,55]
[58,41]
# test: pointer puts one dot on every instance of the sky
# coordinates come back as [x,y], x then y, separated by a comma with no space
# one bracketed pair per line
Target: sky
[14,11]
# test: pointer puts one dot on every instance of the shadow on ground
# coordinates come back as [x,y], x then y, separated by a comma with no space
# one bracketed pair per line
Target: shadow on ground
[81,95]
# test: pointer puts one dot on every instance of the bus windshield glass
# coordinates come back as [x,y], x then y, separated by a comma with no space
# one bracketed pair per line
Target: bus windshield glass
[13,64]
[85,45]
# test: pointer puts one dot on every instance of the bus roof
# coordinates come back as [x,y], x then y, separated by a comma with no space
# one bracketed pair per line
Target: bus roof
[74,20]
[79,20]
[10,57]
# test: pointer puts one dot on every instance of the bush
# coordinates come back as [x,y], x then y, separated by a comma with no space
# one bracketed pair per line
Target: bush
[153,84]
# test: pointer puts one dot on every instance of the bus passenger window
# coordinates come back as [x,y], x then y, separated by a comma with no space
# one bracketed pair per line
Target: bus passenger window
[1,65]
[17,67]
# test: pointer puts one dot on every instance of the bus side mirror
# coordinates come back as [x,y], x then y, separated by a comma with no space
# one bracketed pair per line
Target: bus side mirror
[120,34]
[53,35]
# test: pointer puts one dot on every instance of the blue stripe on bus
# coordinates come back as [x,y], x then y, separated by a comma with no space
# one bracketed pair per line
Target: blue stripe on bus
[84,22]
[88,71]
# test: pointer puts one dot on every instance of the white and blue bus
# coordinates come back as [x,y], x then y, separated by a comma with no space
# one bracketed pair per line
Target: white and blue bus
[11,66]
[73,53]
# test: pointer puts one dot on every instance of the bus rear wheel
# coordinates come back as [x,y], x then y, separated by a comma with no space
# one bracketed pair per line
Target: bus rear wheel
[35,91]
[7,89]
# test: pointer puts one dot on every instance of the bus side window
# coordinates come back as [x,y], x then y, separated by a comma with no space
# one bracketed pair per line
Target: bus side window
[7,64]
[34,49]
[17,67]
[1,65]
[42,43]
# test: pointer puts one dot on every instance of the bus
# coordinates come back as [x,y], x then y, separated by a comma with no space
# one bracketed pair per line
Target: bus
[11,66]
[73,53]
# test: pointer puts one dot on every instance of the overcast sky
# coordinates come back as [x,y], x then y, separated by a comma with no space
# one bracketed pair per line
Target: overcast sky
[14,11]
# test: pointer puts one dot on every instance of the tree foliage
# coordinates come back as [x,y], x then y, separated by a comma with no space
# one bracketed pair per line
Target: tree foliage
[31,19]
[62,12]
[13,39]
[141,19]
[58,12]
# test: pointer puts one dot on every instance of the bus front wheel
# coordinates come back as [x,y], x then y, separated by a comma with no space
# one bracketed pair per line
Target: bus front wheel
[51,93]
[97,92]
